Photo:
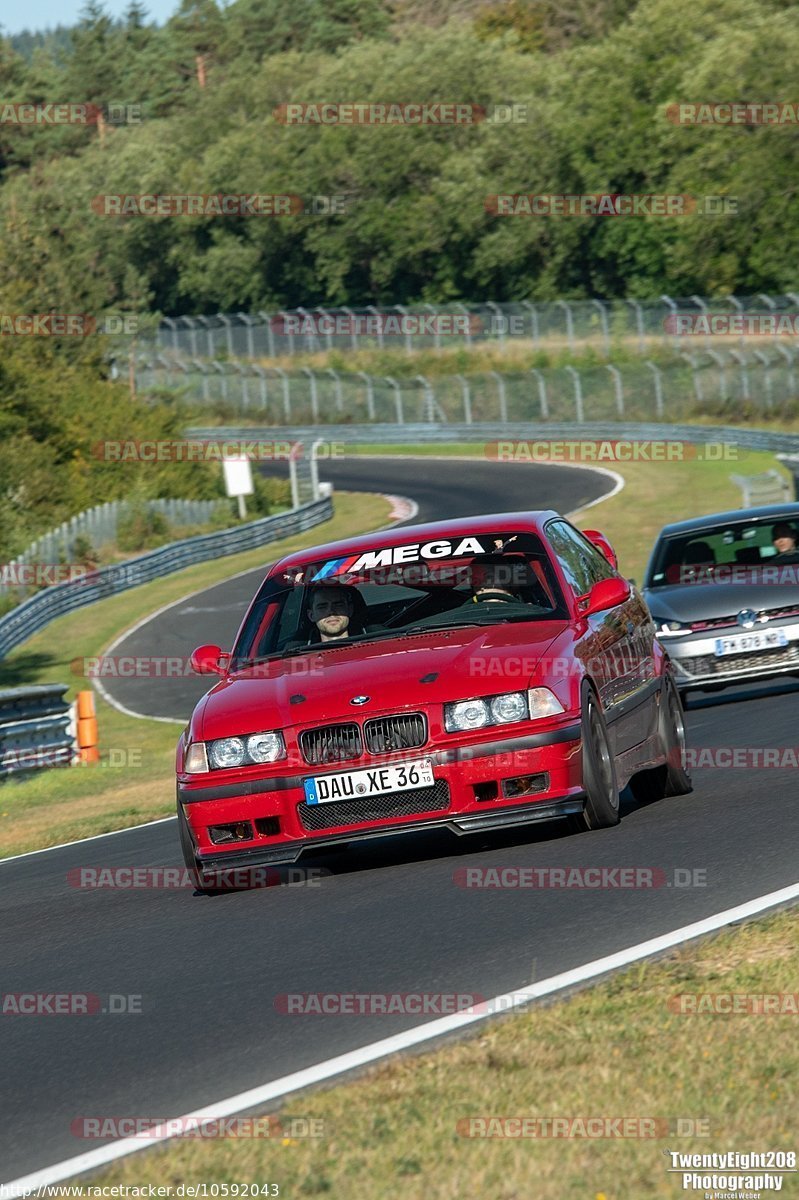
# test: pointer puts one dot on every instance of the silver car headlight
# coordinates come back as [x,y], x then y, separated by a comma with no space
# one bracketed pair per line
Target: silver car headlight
[463,715]
[265,747]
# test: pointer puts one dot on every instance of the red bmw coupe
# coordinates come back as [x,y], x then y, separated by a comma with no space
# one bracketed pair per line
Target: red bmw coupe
[473,674]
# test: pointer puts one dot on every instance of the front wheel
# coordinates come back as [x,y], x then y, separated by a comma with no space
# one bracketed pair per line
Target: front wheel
[671,778]
[599,770]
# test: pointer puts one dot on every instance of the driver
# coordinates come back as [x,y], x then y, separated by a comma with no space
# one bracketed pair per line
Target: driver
[783,535]
[492,579]
[331,611]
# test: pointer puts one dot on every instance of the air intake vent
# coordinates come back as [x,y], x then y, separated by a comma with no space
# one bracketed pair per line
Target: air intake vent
[386,734]
[331,744]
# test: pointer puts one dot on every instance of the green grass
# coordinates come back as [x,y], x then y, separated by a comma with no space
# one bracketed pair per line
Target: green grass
[614,1050]
[62,805]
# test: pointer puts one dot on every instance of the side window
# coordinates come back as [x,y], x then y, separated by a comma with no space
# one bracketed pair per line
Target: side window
[583,565]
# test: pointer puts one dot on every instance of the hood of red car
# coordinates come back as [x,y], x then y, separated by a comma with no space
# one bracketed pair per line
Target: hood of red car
[396,674]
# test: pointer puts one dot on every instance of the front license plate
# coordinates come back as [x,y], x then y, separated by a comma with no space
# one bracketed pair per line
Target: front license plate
[745,643]
[360,785]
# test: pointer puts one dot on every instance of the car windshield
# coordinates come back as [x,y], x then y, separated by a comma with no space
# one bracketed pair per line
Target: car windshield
[394,592]
[709,554]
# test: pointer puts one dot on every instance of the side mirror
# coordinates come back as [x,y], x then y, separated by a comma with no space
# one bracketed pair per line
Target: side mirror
[607,593]
[602,544]
[209,660]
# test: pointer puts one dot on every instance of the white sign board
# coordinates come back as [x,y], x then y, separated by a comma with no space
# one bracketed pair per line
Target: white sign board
[238,476]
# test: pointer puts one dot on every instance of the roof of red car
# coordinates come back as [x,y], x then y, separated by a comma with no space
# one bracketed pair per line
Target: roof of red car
[399,535]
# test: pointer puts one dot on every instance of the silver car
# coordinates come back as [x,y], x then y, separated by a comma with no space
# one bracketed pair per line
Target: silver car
[724,593]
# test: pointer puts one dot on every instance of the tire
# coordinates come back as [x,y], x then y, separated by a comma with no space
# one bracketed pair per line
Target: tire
[599,770]
[671,778]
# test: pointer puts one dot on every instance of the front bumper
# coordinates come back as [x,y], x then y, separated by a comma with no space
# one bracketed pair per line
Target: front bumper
[467,796]
[696,664]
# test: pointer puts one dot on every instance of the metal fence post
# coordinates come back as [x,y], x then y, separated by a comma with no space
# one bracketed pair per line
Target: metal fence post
[603,317]
[766,361]
[672,313]
[397,398]
[578,392]
[616,373]
[658,386]
[286,393]
[337,385]
[693,362]
[370,393]
[402,310]
[639,324]
[468,331]
[503,400]
[534,327]
[542,393]
[741,360]
[314,395]
[467,398]
[789,358]
[569,322]
[499,329]
[379,321]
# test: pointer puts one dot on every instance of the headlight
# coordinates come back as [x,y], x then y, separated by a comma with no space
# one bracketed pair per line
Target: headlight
[463,715]
[466,714]
[227,752]
[265,747]
[510,707]
[243,751]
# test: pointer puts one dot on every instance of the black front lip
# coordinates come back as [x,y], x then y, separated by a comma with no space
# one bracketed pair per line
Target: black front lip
[441,757]
[459,824]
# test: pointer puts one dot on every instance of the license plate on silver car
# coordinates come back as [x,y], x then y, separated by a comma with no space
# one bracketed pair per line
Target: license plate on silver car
[746,643]
[360,785]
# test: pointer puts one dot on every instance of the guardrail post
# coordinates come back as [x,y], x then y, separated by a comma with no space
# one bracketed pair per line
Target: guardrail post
[616,373]
[542,393]
[658,386]
[578,393]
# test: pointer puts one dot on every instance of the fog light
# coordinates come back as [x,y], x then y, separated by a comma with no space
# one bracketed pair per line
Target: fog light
[525,785]
[241,831]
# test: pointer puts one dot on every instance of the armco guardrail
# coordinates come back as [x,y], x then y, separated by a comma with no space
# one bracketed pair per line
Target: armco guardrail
[37,729]
[38,611]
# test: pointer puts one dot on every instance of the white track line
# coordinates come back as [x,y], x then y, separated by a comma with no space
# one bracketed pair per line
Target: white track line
[366,1055]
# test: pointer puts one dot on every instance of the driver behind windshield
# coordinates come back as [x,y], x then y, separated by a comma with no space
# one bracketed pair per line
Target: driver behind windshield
[331,610]
[493,577]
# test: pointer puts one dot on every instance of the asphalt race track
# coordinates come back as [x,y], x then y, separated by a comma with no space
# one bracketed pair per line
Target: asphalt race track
[209,968]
